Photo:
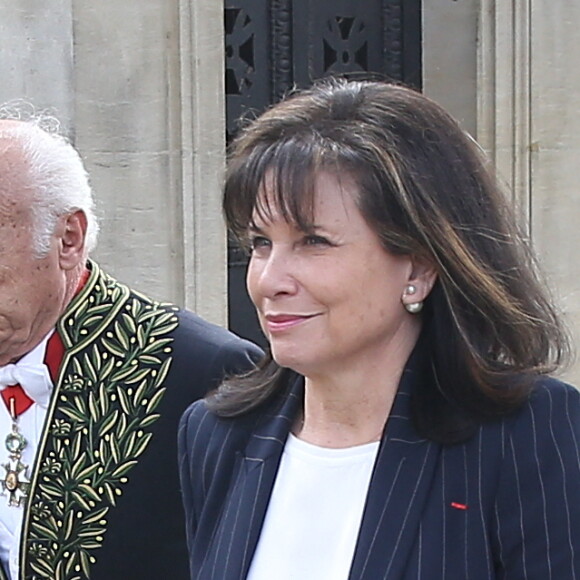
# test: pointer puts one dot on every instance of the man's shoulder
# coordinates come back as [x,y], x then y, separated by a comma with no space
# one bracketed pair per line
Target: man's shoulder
[218,351]
[192,325]
[199,349]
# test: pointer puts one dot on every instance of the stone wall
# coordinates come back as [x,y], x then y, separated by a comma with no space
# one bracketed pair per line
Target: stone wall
[138,88]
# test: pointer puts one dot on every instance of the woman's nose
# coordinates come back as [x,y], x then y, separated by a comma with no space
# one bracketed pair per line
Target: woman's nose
[272,275]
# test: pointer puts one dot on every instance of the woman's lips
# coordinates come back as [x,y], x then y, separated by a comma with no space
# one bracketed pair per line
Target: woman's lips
[279,322]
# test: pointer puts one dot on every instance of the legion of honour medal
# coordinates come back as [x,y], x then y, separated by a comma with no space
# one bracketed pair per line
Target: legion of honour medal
[15,483]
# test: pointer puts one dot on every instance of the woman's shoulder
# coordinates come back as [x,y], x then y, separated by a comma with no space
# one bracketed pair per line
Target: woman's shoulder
[546,383]
[529,463]
[205,431]
[199,421]
[548,421]
[553,408]
[197,417]
[553,394]
[209,445]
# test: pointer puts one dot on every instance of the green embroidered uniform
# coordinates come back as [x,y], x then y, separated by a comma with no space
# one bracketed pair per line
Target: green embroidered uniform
[104,497]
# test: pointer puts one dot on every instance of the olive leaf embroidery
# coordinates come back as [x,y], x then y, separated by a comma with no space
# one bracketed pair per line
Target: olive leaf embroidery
[105,405]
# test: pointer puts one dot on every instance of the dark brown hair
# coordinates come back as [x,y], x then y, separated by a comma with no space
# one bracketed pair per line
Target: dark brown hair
[427,190]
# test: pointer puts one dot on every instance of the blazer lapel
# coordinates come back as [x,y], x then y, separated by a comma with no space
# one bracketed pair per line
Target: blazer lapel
[239,531]
[398,489]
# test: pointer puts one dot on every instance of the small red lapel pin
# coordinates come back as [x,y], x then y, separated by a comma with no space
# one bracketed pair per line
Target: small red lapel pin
[459,506]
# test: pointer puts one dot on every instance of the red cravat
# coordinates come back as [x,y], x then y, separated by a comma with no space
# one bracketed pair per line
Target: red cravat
[52,359]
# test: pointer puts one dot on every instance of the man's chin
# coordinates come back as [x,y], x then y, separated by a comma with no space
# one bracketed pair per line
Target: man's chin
[11,351]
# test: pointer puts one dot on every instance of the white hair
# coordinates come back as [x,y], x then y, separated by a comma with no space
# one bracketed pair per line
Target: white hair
[55,174]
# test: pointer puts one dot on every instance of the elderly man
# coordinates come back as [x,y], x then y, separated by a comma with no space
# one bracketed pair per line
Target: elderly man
[94,378]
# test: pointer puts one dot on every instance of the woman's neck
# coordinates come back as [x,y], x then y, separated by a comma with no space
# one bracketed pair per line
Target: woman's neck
[329,422]
[351,407]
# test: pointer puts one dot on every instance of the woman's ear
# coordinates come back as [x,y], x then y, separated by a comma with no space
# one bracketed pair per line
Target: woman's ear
[422,278]
[73,230]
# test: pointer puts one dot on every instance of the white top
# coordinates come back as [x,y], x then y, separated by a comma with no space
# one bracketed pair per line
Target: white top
[314,514]
[30,425]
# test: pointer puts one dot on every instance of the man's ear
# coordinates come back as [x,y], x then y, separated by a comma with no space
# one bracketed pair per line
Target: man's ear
[73,231]
[423,276]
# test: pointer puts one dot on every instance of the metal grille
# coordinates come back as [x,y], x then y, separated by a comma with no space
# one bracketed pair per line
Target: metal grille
[274,45]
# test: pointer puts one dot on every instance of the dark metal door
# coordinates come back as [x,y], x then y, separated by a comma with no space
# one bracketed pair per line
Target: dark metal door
[274,45]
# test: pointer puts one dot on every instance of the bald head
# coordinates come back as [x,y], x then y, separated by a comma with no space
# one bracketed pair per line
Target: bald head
[14,124]
[15,182]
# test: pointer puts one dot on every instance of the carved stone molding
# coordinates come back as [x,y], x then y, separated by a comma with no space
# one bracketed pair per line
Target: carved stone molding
[201,128]
[504,95]
[393,38]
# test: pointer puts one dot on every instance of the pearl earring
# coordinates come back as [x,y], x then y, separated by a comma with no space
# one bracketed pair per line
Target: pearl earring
[412,307]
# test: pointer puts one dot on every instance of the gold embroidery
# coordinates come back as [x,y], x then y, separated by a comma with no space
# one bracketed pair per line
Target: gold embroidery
[118,355]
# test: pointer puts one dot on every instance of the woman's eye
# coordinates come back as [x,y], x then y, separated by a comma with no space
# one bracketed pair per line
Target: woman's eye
[312,240]
[258,242]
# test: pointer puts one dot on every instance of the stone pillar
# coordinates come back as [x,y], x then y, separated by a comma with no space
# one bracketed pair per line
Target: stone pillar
[450,57]
[528,102]
[203,162]
[503,96]
[507,76]
[555,151]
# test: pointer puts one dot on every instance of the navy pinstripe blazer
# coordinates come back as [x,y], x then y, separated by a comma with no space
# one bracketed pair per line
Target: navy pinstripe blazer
[503,505]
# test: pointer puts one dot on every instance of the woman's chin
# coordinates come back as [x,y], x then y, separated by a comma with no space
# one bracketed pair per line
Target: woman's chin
[290,358]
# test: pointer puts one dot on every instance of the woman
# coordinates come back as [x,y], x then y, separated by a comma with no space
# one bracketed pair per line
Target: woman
[402,426]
